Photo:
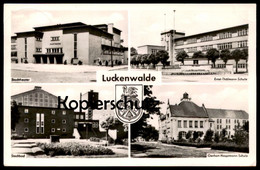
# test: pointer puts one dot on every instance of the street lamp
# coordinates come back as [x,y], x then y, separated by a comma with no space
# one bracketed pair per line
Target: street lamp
[111,53]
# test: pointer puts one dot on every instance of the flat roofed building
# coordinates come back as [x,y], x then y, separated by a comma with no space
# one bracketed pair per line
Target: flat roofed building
[42,122]
[228,38]
[149,49]
[72,43]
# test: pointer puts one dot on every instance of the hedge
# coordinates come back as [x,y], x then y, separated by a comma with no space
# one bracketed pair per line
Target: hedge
[230,147]
[76,149]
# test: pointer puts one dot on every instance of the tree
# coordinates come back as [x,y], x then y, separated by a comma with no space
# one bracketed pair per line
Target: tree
[151,106]
[144,58]
[15,114]
[246,126]
[153,59]
[241,136]
[181,56]
[162,56]
[212,54]
[208,136]
[133,51]
[195,135]
[109,123]
[198,54]
[225,55]
[237,54]
[150,133]
[189,134]
[216,138]
[223,134]
[133,60]
[245,56]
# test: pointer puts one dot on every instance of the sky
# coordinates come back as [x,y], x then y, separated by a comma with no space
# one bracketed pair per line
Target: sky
[220,96]
[24,18]
[146,24]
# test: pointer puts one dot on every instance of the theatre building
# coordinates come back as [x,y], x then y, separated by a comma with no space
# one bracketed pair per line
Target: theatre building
[72,43]
[188,116]
[227,38]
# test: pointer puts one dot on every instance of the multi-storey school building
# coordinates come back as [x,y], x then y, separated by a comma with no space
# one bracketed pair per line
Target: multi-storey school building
[71,43]
[228,38]
[188,116]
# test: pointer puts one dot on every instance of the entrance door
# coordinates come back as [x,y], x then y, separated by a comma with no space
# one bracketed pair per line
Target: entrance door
[59,59]
[44,59]
[51,58]
[37,59]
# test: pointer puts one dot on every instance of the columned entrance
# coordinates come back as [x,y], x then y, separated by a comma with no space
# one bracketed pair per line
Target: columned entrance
[48,59]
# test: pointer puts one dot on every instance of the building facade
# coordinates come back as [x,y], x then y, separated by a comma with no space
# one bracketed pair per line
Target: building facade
[72,43]
[228,38]
[187,116]
[42,122]
[149,49]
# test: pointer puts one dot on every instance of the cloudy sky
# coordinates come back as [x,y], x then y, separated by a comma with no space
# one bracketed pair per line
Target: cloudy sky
[146,24]
[25,17]
[234,97]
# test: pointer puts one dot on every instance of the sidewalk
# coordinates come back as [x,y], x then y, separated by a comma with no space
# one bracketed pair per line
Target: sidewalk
[64,68]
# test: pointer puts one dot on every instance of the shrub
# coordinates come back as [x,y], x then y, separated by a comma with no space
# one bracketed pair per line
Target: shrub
[75,149]
[216,138]
[80,62]
[188,135]
[119,62]
[208,136]
[230,147]
[25,62]
[65,62]
[94,139]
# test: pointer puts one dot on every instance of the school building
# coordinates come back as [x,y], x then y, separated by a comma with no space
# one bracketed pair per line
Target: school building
[188,116]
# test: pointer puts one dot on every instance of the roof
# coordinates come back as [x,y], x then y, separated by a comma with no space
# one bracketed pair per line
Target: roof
[215,31]
[161,46]
[36,89]
[222,113]
[171,31]
[187,109]
[29,34]
[58,26]
[104,27]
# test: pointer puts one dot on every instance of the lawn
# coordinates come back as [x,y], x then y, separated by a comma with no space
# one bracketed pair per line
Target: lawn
[156,150]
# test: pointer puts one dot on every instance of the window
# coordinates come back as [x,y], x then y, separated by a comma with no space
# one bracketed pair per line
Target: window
[76,124]
[180,42]
[225,46]
[192,49]
[192,40]
[64,112]
[26,129]
[64,130]
[196,124]
[201,124]
[26,120]
[81,116]
[225,35]
[185,123]
[77,116]
[241,65]
[64,121]
[55,38]
[206,38]
[14,130]
[220,120]
[38,39]
[242,44]
[52,129]
[190,123]
[242,32]
[217,120]
[13,47]
[26,110]
[220,126]
[210,125]
[217,126]
[221,66]
[53,112]
[38,49]
[179,123]
[52,120]
[206,47]
[195,62]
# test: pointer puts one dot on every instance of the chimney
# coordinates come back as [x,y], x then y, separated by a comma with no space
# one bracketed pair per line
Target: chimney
[110,28]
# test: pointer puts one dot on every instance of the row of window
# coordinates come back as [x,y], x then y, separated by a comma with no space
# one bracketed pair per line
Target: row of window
[13,47]
[38,39]
[26,120]
[52,112]
[26,129]
[77,116]
[196,123]
[228,121]
[223,46]
[38,49]
[54,50]
[56,38]
[224,35]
